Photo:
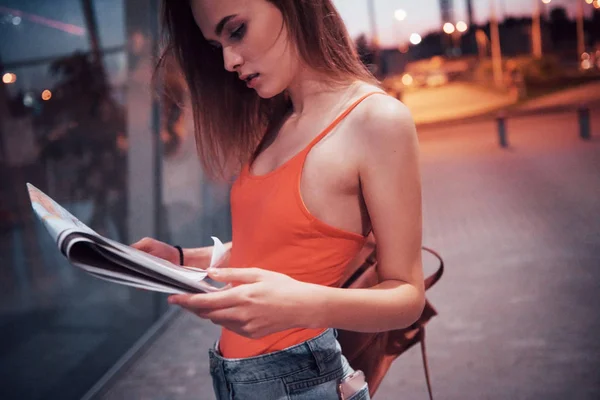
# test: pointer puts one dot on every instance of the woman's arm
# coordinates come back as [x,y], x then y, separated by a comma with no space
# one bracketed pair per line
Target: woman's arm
[391,185]
[192,257]
[268,302]
[200,257]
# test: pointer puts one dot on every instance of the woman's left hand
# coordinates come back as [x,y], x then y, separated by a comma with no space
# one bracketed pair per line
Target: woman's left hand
[261,302]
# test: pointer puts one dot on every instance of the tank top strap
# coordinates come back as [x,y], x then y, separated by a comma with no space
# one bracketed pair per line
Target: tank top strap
[338,120]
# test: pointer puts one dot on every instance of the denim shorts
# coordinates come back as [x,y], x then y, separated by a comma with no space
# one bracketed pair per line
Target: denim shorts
[307,371]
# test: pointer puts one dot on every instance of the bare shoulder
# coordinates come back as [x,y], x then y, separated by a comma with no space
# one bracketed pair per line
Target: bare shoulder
[384,123]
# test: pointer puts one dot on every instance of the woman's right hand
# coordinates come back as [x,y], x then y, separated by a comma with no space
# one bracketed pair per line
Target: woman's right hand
[197,258]
[158,249]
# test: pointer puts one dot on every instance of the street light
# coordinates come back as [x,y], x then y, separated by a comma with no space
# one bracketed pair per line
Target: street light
[449,28]
[580,29]
[400,14]
[495,44]
[536,30]
[9,78]
[46,95]
[415,38]
[461,26]
[455,33]
[536,26]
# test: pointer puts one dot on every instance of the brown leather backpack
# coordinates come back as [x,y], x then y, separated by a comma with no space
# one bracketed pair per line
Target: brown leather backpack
[373,353]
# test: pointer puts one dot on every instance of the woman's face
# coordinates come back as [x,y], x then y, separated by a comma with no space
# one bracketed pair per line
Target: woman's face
[254,41]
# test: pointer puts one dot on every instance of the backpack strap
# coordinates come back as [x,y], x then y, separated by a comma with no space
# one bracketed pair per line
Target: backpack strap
[425,365]
[433,278]
[429,282]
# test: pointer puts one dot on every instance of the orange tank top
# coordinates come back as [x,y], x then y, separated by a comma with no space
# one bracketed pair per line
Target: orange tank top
[272,229]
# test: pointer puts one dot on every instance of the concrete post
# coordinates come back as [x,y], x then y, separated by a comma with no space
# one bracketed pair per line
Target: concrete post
[501,123]
[584,122]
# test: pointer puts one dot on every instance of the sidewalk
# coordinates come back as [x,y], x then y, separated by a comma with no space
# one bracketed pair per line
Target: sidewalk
[587,93]
[520,232]
[452,101]
[459,102]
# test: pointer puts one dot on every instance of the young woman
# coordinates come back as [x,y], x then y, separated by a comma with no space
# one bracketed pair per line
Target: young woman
[321,157]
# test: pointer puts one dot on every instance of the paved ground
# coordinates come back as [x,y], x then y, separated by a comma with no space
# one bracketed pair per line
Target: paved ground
[459,100]
[455,100]
[587,93]
[520,231]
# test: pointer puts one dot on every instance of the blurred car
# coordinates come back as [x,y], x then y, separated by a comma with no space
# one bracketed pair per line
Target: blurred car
[436,79]
[590,61]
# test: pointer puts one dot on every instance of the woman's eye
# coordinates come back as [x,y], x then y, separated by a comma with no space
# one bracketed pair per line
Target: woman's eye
[215,45]
[238,33]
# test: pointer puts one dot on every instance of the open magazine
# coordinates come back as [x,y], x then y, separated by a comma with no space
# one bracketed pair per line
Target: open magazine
[115,262]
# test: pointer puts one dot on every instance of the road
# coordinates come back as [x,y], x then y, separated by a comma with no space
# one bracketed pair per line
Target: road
[519,229]
[588,93]
[452,101]
[458,100]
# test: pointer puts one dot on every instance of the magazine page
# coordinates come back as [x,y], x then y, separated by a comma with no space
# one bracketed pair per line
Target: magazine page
[85,257]
[163,266]
[103,257]
[54,217]
[187,276]
[140,271]
[153,287]
[219,250]
[99,255]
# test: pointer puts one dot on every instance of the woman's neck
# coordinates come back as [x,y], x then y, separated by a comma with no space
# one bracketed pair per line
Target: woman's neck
[312,91]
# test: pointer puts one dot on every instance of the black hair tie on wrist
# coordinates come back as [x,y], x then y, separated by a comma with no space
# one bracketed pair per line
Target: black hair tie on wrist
[180,254]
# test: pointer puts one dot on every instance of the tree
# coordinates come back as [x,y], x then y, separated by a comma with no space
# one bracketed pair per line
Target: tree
[559,15]
[87,126]
[560,26]
[365,51]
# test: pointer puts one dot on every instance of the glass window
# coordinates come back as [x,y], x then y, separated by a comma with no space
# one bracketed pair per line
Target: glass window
[38,29]
[63,128]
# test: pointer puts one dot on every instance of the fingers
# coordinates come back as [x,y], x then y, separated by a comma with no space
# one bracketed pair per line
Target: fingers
[207,301]
[231,320]
[223,261]
[144,244]
[227,316]
[206,308]
[239,275]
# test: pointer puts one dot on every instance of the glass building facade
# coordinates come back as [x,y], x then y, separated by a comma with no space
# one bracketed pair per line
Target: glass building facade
[78,119]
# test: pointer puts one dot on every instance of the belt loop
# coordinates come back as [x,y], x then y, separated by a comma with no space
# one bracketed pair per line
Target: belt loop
[318,348]
[217,371]
[223,374]
[317,355]
[226,383]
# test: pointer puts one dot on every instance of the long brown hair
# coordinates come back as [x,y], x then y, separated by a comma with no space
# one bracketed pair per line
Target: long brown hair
[230,119]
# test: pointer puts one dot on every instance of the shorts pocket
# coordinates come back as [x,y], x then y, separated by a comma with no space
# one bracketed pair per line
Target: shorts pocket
[322,391]
[262,390]
[297,382]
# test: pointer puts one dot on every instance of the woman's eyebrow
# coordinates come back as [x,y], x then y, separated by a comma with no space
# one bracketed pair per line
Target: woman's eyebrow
[222,23]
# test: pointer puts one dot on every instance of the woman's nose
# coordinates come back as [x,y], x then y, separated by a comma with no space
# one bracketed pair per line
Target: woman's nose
[231,59]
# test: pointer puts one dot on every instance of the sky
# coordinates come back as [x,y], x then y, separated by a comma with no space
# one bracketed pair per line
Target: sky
[31,39]
[424,15]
